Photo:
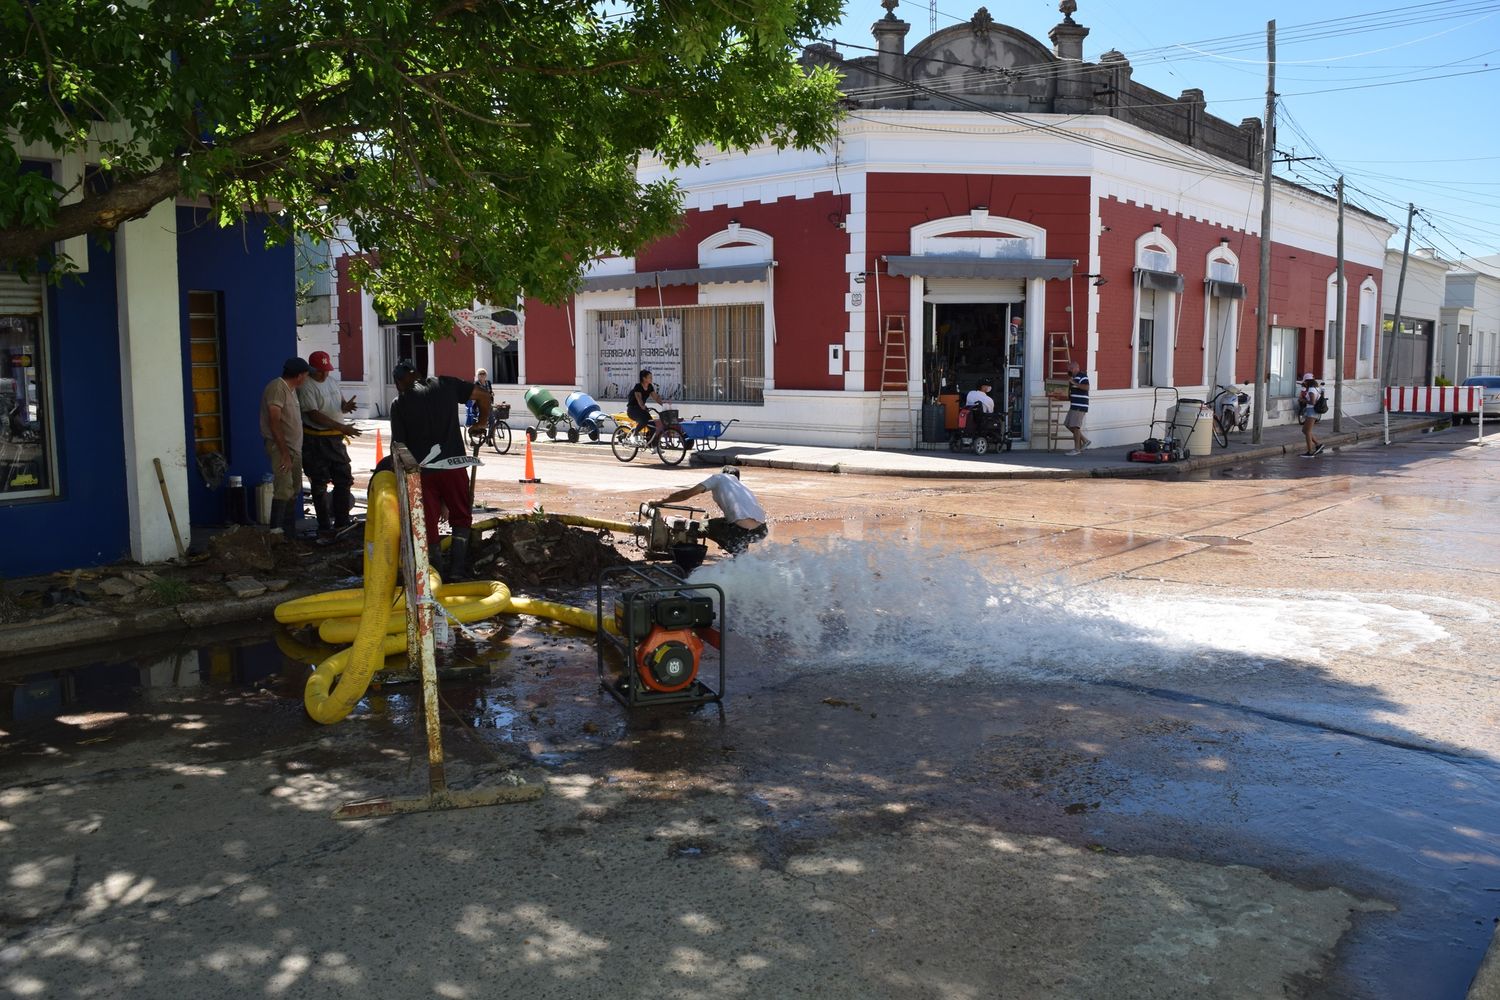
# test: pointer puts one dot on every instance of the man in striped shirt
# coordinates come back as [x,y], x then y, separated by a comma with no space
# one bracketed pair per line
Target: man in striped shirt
[1078,406]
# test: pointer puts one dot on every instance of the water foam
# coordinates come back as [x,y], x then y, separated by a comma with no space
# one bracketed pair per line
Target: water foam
[895,604]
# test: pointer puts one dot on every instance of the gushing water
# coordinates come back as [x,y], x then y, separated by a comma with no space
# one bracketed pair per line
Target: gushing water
[896,604]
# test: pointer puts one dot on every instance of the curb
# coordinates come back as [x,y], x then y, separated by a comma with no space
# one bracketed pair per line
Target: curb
[31,639]
[1486,984]
[1111,471]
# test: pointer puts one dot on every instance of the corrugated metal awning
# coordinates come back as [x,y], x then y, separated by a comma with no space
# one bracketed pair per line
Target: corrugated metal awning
[20,296]
[1225,289]
[933,265]
[1162,281]
[686,276]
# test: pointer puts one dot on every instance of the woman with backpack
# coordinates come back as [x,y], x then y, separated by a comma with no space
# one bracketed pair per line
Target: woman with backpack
[1312,403]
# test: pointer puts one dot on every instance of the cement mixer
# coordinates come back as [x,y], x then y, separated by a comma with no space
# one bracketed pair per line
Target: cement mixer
[585,414]
[548,413]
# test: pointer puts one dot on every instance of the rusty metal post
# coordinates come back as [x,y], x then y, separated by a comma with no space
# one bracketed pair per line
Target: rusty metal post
[419,609]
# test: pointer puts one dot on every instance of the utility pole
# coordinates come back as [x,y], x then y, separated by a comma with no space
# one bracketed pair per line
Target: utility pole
[1263,300]
[1338,348]
[1390,342]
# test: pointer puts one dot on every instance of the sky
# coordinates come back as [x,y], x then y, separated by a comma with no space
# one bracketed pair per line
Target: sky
[1404,101]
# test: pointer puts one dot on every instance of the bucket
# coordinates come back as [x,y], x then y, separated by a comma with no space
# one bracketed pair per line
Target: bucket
[542,404]
[582,408]
[1201,439]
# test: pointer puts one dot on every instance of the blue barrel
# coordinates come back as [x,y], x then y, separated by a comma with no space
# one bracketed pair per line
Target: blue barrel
[582,408]
[542,404]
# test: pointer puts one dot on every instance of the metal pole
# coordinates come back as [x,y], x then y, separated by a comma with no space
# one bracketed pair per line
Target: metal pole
[1338,348]
[1263,299]
[1390,343]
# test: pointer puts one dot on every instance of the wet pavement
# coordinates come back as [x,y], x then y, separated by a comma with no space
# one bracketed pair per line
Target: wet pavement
[1229,735]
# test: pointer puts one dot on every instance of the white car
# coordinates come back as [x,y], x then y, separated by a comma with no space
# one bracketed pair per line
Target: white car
[1491,386]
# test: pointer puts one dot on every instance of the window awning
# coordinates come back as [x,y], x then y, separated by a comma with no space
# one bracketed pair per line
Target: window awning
[1161,281]
[1225,289]
[686,276]
[955,266]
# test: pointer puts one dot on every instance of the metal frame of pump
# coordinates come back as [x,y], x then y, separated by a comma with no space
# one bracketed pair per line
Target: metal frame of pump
[665,626]
[672,533]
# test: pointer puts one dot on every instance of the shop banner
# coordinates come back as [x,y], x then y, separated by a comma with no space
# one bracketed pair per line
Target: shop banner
[619,358]
[661,351]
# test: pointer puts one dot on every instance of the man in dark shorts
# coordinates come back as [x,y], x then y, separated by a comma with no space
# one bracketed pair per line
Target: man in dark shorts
[424,416]
[635,404]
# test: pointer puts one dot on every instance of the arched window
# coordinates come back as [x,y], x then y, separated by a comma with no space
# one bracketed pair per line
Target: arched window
[1368,295]
[1157,287]
[1224,296]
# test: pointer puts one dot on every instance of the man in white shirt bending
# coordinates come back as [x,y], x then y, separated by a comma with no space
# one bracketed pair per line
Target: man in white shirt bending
[744,519]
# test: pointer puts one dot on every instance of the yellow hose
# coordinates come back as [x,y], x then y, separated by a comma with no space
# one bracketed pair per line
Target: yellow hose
[340,681]
[373,617]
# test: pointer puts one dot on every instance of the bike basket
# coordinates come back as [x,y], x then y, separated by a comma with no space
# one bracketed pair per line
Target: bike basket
[502,410]
[669,416]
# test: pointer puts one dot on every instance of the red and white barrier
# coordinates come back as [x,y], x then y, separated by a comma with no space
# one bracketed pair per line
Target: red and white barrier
[1432,399]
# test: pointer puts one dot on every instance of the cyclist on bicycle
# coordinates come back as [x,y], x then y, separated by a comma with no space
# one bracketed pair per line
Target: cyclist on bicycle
[635,405]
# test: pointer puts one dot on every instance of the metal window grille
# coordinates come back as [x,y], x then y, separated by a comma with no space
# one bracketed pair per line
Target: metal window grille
[722,350]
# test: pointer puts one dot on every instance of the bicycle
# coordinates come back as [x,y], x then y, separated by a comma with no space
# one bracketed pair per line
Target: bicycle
[496,434]
[1231,410]
[670,445]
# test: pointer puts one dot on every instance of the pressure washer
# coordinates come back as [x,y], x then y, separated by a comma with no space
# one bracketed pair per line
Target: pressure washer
[665,628]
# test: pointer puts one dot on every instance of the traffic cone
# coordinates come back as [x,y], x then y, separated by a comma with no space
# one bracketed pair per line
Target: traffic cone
[379,447]
[531,476]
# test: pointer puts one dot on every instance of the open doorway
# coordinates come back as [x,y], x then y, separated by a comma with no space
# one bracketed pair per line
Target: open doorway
[970,341]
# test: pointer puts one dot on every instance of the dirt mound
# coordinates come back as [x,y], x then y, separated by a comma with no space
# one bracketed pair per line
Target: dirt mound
[541,551]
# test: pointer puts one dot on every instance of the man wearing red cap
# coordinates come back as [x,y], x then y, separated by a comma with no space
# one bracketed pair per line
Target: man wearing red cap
[324,455]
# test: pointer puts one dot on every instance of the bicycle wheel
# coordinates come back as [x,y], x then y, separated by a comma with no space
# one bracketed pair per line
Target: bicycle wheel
[1221,430]
[624,444]
[671,446]
[500,437]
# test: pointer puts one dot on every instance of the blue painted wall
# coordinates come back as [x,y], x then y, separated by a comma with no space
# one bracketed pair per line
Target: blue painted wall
[258,290]
[86,525]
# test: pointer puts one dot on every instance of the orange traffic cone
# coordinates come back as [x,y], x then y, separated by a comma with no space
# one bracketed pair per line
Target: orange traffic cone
[379,447]
[531,476]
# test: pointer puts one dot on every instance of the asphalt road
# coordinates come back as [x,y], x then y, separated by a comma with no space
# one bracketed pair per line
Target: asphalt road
[1232,735]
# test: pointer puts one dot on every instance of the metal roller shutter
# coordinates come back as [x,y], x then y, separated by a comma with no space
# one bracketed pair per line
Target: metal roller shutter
[20,296]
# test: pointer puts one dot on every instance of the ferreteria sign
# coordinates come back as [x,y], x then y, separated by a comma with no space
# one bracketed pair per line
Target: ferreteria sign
[628,344]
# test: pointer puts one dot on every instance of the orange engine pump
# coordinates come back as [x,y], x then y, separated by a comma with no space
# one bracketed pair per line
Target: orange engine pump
[667,658]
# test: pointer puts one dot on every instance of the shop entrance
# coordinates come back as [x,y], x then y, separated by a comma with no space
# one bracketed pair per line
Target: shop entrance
[970,341]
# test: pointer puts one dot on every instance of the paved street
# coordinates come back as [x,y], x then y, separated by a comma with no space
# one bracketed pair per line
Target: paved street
[1228,734]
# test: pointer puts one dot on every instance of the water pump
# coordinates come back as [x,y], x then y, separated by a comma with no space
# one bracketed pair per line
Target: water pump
[671,533]
[665,629]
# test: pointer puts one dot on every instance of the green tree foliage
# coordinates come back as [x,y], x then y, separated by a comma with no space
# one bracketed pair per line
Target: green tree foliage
[482,147]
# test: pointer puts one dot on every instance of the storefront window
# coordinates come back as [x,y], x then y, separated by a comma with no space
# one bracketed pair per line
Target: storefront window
[697,354]
[1283,361]
[26,439]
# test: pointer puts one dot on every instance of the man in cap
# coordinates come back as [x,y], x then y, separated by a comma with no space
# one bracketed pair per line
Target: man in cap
[424,417]
[324,453]
[281,427]
[744,519]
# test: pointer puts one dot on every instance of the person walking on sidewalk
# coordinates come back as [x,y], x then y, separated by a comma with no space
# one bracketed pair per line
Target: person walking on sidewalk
[281,427]
[324,454]
[744,519]
[1308,398]
[423,417]
[1078,406]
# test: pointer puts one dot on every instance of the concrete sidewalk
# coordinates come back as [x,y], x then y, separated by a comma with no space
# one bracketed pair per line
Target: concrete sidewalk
[1107,462]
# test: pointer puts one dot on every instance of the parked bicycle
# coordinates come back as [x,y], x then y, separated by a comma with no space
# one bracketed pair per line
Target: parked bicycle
[670,444]
[1231,409]
[496,433]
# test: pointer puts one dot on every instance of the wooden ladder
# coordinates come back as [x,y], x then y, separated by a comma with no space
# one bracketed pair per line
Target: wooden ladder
[893,426]
[1059,353]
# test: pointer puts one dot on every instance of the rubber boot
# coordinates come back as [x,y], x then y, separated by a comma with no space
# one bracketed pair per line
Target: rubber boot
[321,504]
[278,515]
[435,560]
[342,502]
[292,517]
[458,555]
